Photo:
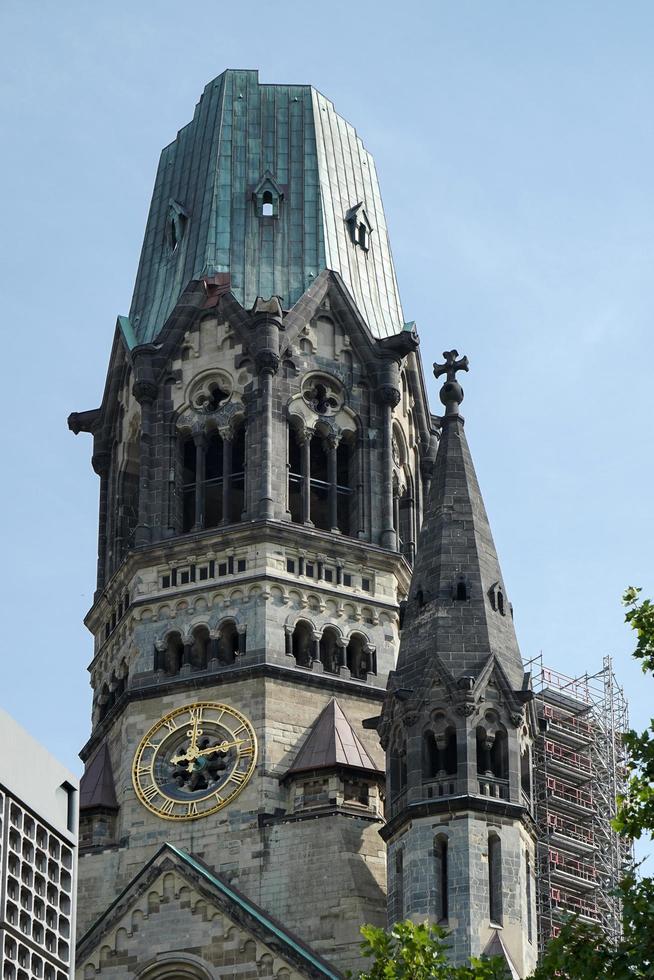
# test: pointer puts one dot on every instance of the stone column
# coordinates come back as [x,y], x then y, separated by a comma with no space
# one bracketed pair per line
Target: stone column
[100,463]
[267,363]
[200,440]
[389,397]
[227,475]
[332,476]
[214,653]
[305,442]
[145,392]
[396,516]
[186,657]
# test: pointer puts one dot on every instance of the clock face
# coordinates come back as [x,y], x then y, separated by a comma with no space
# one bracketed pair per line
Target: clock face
[194,761]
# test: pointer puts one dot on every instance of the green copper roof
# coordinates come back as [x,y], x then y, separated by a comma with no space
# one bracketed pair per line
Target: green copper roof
[246,139]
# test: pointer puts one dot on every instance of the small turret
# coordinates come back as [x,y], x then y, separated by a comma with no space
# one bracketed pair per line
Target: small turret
[457,726]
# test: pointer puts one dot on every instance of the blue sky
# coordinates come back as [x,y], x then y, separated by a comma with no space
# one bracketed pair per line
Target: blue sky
[514,144]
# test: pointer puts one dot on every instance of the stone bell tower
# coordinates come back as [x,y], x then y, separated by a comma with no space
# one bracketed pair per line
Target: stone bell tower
[458,725]
[264,447]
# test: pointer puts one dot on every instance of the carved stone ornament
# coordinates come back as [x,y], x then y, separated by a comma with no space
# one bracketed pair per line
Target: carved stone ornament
[208,393]
[266,361]
[222,418]
[389,395]
[395,447]
[323,394]
[466,708]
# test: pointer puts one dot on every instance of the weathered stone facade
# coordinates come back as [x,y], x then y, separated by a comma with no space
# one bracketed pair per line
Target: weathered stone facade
[264,466]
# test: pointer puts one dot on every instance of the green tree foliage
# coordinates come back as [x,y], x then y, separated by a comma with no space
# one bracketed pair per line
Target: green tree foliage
[419,952]
[582,952]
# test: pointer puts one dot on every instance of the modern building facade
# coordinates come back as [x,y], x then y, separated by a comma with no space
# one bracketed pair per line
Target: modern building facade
[282,518]
[38,859]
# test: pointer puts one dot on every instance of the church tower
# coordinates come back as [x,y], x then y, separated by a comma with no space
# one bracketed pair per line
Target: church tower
[458,726]
[264,447]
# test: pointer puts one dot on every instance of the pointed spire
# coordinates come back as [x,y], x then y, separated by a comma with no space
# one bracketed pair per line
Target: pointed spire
[332,742]
[457,604]
[96,788]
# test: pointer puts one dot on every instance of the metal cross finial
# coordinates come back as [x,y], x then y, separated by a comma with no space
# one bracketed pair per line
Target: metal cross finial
[451,365]
[451,394]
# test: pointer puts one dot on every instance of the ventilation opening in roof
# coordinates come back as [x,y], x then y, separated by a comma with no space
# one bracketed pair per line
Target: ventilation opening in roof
[267,205]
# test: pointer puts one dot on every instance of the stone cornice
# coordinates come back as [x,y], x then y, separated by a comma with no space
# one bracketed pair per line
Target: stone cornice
[184,546]
[454,805]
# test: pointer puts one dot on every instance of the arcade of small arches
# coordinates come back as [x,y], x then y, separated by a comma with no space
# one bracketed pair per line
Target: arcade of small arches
[202,650]
[440,757]
[328,648]
[112,690]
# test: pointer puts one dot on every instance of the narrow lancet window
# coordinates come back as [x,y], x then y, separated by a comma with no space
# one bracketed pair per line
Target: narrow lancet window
[441,874]
[495,880]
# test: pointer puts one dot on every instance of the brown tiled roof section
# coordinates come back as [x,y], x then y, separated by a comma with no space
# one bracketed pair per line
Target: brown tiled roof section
[96,788]
[332,742]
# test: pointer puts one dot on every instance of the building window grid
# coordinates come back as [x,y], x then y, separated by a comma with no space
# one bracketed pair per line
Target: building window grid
[38,902]
[190,575]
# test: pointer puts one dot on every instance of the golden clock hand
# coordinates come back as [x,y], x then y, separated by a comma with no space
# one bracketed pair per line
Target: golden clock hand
[193,735]
[222,747]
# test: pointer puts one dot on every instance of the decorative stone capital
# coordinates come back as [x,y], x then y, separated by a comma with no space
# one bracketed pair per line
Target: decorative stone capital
[101,462]
[266,361]
[145,391]
[389,395]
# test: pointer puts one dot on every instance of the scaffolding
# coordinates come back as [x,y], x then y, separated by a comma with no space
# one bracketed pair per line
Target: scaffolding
[579,771]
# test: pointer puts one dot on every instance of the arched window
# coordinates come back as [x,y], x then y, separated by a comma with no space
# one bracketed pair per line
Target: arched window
[267,209]
[171,659]
[439,755]
[330,651]
[104,701]
[461,593]
[213,479]
[500,601]
[499,756]
[228,644]
[200,648]
[484,744]
[405,525]
[320,481]
[360,660]
[127,509]
[399,884]
[430,756]
[302,642]
[441,878]
[525,772]
[495,880]
[398,770]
